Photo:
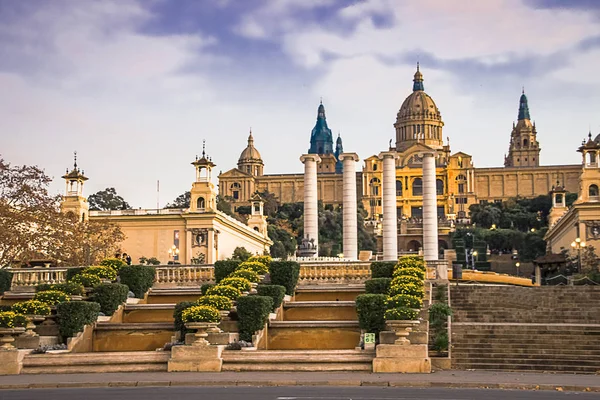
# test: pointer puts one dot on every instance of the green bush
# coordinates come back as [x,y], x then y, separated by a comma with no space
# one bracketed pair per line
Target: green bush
[370,309]
[253,313]
[52,297]
[382,269]
[200,314]
[71,272]
[246,274]
[74,315]
[404,300]
[438,314]
[441,293]
[86,280]
[110,296]
[102,272]
[378,286]
[139,278]
[218,302]
[114,263]
[440,341]
[178,322]
[223,290]
[11,319]
[204,288]
[244,285]
[31,307]
[224,268]
[256,266]
[5,280]
[285,273]
[412,262]
[276,292]
[408,288]
[401,313]
[403,279]
[265,260]
[415,272]
[72,288]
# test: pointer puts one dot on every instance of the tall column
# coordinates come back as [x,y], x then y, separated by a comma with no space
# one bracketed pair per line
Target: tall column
[430,222]
[350,232]
[390,214]
[311,212]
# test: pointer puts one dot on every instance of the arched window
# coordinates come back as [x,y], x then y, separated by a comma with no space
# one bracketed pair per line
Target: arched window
[524,142]
[593,191]
[559,198]
[374,166]
[417,187]
[375,184]
[200,203]
[398,188]
[235,190]
[439,187]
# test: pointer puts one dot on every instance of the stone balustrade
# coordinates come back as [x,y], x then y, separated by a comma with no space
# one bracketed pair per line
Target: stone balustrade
[334,272]
[437,269]
[25,279]
[184,275]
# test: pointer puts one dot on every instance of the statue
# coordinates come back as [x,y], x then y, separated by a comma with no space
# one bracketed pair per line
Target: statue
[307,248]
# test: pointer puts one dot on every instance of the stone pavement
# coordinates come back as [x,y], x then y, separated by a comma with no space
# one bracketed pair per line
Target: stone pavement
[450,379]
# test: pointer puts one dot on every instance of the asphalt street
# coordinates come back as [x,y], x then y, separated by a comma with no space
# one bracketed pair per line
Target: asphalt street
[286,393]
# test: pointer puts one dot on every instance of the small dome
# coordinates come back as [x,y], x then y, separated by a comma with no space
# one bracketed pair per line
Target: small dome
[250,154]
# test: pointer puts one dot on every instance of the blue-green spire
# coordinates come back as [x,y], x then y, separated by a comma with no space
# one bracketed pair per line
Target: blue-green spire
[339,149]
[523,107]
[418,80]
[321,140]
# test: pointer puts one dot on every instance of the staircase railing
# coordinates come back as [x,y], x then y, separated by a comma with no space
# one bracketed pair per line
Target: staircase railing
[332,273]
[26,279]
[184,275]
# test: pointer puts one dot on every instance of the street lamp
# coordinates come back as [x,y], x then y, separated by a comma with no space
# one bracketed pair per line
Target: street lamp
[518,265]
[174,252]
[578,245]
[473,258]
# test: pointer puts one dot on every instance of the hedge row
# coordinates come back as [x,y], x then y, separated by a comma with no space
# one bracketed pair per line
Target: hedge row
[285,273]
[253,312]
[276,292]
[139,278]
[110,296]
[74,315]
[382,269]
[224,268]
[378,286]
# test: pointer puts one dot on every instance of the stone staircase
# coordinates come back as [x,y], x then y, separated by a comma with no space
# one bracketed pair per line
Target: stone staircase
[526,329]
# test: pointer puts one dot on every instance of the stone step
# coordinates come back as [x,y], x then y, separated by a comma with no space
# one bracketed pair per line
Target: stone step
[540,360]
[130,337]
[528,367]
[148,313]
[292,367]
[473,355]
[575,346]
[319,311]
[328,292]
[143,361]
[173,296]
[315,335]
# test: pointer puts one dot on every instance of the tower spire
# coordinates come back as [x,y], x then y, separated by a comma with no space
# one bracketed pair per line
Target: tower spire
[523,107]
[418,80]
[75,159]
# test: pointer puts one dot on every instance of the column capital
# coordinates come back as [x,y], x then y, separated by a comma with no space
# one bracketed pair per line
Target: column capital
[424,154]
[388,154]
[349,156]
[310,157]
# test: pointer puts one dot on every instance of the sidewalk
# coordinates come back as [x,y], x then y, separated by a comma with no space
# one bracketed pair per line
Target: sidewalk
[450,379]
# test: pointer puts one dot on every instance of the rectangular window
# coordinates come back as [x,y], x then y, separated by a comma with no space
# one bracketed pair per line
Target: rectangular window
[461,188]
[460,200]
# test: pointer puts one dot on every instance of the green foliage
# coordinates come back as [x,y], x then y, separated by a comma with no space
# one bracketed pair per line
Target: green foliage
[74,315]
[414,272]
[71,272]
[370,309]
[253,313]
[240,253]
[153,261]
[72,288]
[107,199]
[182,201]
[204,288]
[102,272]
[404,300]
[401,279]
[440,341]
[114,263]
[438,314]
[51,297]
[378,286]
[285,273]
[218,302]
[110,296]
[401,314]
[407,288]
[200,314]
[139,278]
[265,260]
[244,285]
[415,262]
[87,280]
[31,307]
[245,274]
[177,317]
[5,280]
[382,269]
[284,242]
[276,292]
[257,266]
[224,268]
[223,290]
[441,293]
[11,319]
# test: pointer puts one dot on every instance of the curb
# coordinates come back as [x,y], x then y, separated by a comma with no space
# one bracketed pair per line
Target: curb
[348,383]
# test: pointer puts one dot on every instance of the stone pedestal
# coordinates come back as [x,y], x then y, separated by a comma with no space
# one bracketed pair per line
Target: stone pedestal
[11,362]
[406,359]
[196,359]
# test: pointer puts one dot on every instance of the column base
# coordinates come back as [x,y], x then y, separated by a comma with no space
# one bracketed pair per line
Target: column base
[405,359]
[11,362]
[196,359]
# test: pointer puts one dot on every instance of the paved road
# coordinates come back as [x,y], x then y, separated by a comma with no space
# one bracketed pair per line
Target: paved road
[286,393]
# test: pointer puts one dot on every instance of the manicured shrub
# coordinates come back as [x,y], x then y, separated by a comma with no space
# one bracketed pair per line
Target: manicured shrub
[110,296]
[223,290]
[5,280]
[52,297]
[31,307]
[256,266]
[370,309]
[11,319]
[266,260]
[253,313]
[438,314]
[224,268]
[417,273]
[382,269]
[440,341]
[71,272]
[86,280]
[72,288]
[218,302]
[412,262]
[200,314]
[378,286]
[401,313]
[408,288]
[204,288]
[178,322]
[404,279]
[285,273]
[74,315]
[246,274]
[404,300]
[244,285]
[139,278]
[102,272]
[114,263]
[276,292]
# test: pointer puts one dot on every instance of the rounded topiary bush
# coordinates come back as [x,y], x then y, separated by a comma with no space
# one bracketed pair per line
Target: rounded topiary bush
[87,280]
[114,263]
[74,315]
[265,260]
[370,309]
[244,285]
[31,307]
[200,314]
[276,292]
[286,274]
[51,297]
[204,288]
[102,272]
[253,313]
[378,286]
[415,272]
[256,266]
[412,262]
[382,269]
[404,300]
[139,278]
[408,288]
[401,314]
[178,322]
[403,279]
[11,319]
[110,296]
[5,280]
[246,274]
[223,290]
[72,288]
[224,268]
[216,301]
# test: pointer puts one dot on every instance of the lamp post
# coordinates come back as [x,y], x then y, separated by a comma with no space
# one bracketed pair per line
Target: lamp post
[518,265]
[174,252]
[578,244]
[473,258]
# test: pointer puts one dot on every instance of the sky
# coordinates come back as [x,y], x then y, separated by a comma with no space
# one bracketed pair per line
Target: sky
[135,86]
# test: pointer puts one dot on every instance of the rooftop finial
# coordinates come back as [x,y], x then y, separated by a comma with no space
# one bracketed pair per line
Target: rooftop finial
[75,159]
[417,66]
[522,89]
[418,80]
[203,148]
[321,100]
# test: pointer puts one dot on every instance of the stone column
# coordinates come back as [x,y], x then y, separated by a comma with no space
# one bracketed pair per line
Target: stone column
[311,212]
[430,222]
[350,232]
[390,214]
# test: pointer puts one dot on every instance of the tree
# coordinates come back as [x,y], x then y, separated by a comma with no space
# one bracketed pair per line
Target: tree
[182,201]
[240,253]
[107,199]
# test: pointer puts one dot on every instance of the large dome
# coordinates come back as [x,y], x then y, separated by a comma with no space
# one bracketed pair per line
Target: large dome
[419,104]
[250,154]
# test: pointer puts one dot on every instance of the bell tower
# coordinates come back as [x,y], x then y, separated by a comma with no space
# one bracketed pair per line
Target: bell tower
[589,180]
[73,201]
[559,203]
[203,196]
[524,150]
[257,220]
